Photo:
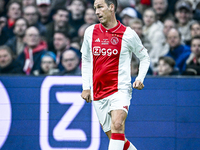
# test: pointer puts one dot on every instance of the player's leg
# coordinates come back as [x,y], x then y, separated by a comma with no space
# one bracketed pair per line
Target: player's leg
[127,145]
[118,111]
[108,134]
[117,139]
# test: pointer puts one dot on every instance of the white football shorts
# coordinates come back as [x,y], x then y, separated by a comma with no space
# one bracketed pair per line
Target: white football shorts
[103,107]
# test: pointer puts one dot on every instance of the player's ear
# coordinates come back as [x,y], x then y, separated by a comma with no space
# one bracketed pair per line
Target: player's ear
[112,7]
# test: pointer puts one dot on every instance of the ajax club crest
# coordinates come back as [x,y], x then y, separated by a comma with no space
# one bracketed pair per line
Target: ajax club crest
[114,40]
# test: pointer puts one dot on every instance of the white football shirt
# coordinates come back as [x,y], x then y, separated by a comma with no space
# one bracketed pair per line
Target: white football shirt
[106,58]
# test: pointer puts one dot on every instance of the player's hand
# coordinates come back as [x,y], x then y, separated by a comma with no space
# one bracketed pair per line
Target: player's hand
[86,95]
[138,85]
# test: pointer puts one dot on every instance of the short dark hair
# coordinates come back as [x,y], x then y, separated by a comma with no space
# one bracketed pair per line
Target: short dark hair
[169,60]
[195,38]
[63,33]
[4,47]
[84,2]
[26,22]
[12,2]
[152,10]
[109,2]
[193,23]
[60,8]
[135,21]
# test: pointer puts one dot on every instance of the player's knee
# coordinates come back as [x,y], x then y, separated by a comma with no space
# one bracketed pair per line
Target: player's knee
[117,126]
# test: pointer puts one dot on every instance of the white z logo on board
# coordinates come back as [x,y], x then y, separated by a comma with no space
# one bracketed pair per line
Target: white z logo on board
[61,132]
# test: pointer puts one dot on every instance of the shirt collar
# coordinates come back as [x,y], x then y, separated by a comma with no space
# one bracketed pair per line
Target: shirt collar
[112,30]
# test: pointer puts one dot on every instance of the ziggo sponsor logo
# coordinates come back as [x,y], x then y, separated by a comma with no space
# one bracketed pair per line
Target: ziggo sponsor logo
[98,51]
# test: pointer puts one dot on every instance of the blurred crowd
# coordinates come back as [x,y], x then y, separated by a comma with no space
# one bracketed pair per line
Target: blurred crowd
[44,37]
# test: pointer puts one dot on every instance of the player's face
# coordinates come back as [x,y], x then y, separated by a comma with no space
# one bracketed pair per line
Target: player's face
[102,11]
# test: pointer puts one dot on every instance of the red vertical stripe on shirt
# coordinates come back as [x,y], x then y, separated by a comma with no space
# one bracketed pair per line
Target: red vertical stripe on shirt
[106,48]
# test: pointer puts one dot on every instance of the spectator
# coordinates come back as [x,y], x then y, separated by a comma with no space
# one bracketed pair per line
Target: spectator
[193,62]
[31,15]
[31,57]
[28,3]
[168,24]
[16,43]
[153,30]
[124,3]
[127,14]
[142,5]
[160,6]
[70,62]
[61,43]
[44,9]
[81,32]
[177,51]
[137,25]
[171,6]
[75,44]
[48,65]
[14,12]
[3,33]
[166,66]
[55,4]
[194,31]
[90,16]
[134,66]
[2,8]
[60,23]
[184,17]
[8,65]
[3,21]
[195,4]
[196,10]
[77,9]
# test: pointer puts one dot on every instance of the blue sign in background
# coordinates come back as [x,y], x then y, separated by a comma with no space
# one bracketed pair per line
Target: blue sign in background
[165,115]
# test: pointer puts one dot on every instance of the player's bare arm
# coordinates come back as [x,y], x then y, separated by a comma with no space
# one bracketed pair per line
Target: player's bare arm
[86,95]
[138,85]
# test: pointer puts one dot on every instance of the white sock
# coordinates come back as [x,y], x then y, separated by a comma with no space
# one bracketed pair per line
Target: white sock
[116,141]
[129,146]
